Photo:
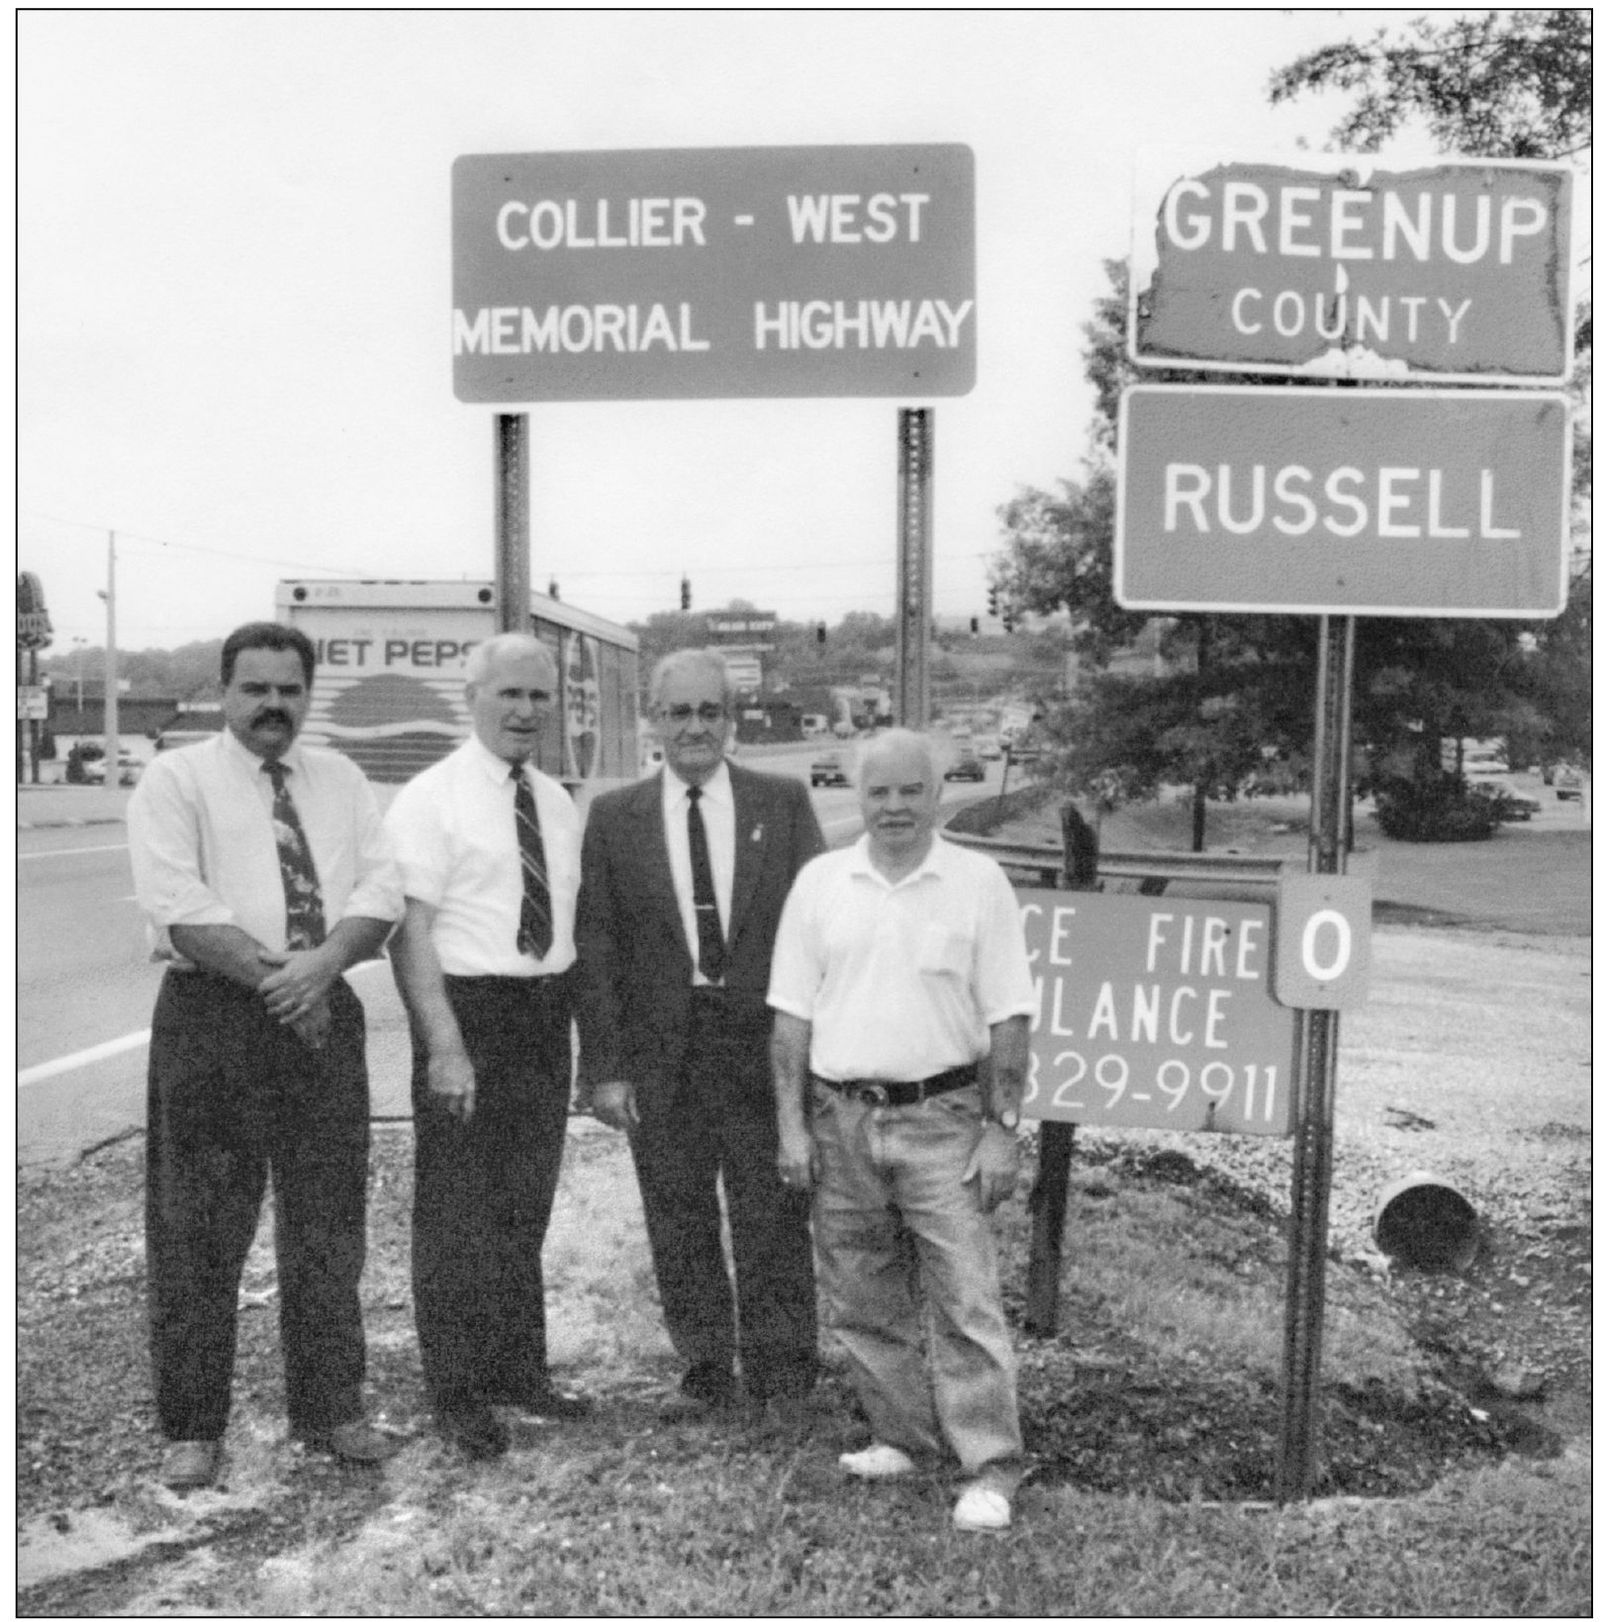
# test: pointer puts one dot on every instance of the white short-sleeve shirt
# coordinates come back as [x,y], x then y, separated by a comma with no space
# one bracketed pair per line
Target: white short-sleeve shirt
[900,981]
[454,834]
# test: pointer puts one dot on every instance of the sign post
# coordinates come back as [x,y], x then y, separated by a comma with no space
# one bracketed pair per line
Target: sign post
[915,452]
[1280,500]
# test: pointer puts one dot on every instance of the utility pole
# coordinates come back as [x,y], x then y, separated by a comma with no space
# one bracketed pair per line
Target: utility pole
[110,594]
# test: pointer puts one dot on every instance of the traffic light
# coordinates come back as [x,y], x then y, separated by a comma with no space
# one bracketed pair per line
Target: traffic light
[991,600]
[974,625]
[552,592]
[684,594]
[820,634]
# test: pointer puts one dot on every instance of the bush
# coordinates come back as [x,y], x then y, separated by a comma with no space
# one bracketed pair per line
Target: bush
[1438,811]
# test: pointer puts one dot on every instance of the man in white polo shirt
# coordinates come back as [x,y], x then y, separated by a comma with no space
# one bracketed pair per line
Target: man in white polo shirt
[902,997]
[488,849]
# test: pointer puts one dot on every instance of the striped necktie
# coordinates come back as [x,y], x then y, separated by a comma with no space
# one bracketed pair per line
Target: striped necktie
[534,916]
[303,902]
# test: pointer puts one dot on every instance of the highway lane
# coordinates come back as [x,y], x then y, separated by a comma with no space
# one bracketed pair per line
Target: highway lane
[86,985]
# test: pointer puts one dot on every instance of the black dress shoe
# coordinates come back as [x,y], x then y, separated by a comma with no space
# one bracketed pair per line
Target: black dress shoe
[355,1442]
[475,1431]
[548,1402]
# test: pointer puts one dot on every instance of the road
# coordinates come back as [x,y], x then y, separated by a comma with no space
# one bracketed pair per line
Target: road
[86,985]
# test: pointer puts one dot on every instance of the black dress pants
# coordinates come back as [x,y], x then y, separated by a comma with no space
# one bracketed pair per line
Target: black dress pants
[719,1124]
[234,1095]
[484,1192]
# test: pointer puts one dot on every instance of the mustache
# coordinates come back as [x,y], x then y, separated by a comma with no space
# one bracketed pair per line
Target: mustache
[269,717]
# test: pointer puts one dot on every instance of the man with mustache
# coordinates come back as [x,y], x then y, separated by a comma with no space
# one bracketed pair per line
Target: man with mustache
[902,997]
[262,868]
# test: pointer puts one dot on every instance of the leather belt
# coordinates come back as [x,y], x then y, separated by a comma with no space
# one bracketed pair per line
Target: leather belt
[894,1094]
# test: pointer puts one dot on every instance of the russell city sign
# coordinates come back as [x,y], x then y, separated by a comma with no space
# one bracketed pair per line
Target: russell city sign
[1298,500]
[1452,272]
[714,273]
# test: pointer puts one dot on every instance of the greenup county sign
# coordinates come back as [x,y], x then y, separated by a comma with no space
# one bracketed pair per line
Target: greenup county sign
[1452,272]
[713,273]
[1298,500]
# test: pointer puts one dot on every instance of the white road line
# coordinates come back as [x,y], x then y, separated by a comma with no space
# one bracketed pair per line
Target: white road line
[109,1050]
[77,1061]
[70,850]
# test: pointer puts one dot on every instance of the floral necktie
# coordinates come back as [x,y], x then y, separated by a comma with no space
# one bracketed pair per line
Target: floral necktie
[303,902]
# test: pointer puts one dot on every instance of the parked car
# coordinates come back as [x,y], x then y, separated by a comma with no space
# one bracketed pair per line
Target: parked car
[828,771]
[989,749]
[1567,783]
[967,768]
[92,760]
[1510,805]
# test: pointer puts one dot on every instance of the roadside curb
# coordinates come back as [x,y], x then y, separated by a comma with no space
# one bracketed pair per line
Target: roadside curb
[76,822]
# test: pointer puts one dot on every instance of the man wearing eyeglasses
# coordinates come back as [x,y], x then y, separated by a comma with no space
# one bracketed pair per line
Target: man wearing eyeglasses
[684,878]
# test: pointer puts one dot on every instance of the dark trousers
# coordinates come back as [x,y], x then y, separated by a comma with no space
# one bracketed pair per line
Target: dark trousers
[232,1096]
[719,1122]
[484,1191]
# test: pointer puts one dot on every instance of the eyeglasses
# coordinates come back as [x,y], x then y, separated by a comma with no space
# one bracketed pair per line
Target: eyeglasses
[681,715]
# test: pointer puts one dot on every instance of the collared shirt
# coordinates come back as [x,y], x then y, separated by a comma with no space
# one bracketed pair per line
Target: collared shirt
[455,836]
[200,835]
[903,980]
[718,817]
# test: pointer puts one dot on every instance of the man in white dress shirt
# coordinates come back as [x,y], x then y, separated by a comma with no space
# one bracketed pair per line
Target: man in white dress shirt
[262,869]
[488,848]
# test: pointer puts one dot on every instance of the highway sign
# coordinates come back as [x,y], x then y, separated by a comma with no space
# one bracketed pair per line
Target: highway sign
[1155,1011]
[1297,500]
[714,273]
[1455,271]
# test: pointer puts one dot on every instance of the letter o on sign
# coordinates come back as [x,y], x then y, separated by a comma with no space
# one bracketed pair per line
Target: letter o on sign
[1322,941]
[1326,925]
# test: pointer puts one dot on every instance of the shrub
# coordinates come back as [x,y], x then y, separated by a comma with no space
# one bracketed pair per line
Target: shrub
[1440,810]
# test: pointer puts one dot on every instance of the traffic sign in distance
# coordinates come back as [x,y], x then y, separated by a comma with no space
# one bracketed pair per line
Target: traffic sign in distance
[714,273]
[1299,500]
[1322,940]
[1456,271]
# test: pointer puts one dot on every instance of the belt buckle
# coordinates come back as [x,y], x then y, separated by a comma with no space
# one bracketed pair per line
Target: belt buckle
[875,1093]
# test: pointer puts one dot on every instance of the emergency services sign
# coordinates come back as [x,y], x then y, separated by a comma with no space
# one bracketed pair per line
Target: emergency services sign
[1156,1012]
[1298,500]
[1455,272]
[760,272]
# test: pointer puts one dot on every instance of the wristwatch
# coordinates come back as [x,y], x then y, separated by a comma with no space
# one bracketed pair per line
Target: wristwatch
[1007,1119]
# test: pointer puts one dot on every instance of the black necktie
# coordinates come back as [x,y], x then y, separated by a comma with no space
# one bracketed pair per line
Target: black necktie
[303,902]
[709,933]
[534,916]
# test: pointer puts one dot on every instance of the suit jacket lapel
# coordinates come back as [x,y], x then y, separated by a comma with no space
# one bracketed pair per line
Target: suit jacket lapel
[753,839]
[651,864]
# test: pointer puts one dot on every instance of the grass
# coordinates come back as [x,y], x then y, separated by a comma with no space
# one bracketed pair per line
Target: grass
[1173,1303]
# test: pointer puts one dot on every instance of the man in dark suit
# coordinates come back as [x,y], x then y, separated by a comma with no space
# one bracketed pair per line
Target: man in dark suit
[684,876]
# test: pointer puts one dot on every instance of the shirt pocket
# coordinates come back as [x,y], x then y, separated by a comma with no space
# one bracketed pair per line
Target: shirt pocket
[943,950]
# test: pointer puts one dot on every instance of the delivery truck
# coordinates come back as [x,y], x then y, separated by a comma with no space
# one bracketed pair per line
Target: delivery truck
[389,687]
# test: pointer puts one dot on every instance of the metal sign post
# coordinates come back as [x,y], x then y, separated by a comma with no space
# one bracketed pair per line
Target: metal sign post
[512,521]
[915,453]
[1313,1154]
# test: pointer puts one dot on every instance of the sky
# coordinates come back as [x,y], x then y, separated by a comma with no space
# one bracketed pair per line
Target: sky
[234,291]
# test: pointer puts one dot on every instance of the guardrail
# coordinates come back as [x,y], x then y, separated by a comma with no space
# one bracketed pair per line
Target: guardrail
[1155,866]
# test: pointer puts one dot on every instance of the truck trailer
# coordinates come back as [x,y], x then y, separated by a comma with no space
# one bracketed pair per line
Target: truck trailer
[389,687]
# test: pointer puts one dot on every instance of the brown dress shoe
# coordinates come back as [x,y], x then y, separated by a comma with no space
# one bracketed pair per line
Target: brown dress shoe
[186,1465]
[355,1442]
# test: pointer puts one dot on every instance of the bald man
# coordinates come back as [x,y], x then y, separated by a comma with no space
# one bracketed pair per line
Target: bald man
[902,998]
[488,848]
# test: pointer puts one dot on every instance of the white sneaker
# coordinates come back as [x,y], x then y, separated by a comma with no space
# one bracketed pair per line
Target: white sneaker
[983,1507]
[879,1462]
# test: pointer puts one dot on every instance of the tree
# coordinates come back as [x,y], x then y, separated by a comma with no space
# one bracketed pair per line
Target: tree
[1517,85]
[1514,84]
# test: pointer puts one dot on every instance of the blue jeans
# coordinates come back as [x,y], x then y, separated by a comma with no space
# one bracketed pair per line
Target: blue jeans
[906,1256]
